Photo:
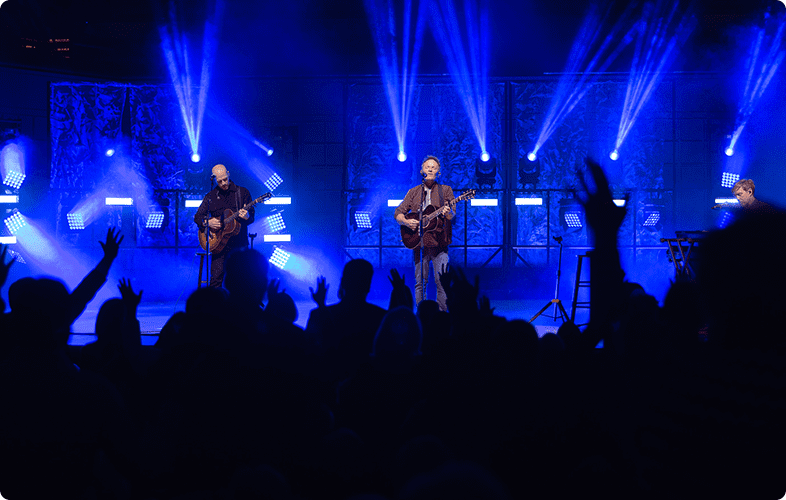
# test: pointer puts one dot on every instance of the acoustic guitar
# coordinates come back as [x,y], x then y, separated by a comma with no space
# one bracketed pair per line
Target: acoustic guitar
[229,227]
[431,221]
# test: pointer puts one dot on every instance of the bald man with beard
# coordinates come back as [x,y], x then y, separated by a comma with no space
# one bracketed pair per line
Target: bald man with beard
[226,195]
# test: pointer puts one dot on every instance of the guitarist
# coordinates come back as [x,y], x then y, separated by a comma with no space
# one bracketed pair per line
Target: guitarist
[226,195]
[434,242]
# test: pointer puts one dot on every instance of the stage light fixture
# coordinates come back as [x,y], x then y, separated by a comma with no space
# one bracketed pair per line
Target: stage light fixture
[529,201]
[9,199]
[275,223]
[484,156]
[532,156]
[7,240]
[273,182]
[279,258]
[402,156]
[728,179]
[363,220]
[126,202]
[279,200]
[620,202]
[15,222]
[725,219]
[14,179]
[75,221]
[110,152]
[614,155]
[570,213]
[486,172]
[573,219]
[195,157]
[729,151]
[17,257]
[270,152]
[651,219]
[271,238]
[154,220]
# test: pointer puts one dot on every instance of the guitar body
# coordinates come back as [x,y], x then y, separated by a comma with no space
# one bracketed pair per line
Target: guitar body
[230,227]
[220,237]
[432,222]
[411,238]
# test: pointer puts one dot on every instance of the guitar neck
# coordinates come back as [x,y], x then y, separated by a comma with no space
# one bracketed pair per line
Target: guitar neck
[249,205]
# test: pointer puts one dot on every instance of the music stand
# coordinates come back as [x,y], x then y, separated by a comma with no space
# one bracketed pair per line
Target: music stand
[556,302]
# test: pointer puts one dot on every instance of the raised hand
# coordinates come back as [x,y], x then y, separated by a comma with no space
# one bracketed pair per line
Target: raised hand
[5,267]
[485,307]
[272,288]
[112,244]
[130,298]
[321,294]
[603,216]
[396,279]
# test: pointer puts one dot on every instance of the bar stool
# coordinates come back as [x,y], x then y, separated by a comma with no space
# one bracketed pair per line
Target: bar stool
[202,265]
[580,283]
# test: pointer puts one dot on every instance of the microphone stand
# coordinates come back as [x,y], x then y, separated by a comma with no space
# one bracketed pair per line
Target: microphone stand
[423,278]
[556,301]
[207,233]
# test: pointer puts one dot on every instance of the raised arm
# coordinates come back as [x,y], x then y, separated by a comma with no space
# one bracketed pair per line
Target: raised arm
[95,279]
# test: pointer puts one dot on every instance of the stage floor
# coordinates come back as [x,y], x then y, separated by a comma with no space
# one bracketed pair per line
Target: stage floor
[153,316]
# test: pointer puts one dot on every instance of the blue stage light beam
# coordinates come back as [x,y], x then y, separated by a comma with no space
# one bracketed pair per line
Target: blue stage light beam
[398,80]
[765,56]
[661,30]
[591,54]
[12,164]
[468,63]
[174,45]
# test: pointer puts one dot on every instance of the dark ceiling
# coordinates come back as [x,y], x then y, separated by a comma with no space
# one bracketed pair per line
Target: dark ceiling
[120,39]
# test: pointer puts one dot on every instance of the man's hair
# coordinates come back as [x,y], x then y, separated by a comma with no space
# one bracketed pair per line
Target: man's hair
[430,157]
[745,185]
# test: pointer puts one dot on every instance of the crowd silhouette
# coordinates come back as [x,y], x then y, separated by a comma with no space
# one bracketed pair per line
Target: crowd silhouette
[235,401]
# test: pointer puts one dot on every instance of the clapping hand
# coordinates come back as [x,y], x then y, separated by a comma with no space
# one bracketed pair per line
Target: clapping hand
[321,294]
[112,244]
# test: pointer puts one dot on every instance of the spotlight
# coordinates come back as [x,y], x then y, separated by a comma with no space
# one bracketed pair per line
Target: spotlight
[273,182]
[75,221]
[195,157]
[154,220]
[729,151]
[270,152]
[110,152]
[614,155]
[532,156]
[279,258]
[15,222]
[14,179]
[728,179]
[402,156]
[484,156]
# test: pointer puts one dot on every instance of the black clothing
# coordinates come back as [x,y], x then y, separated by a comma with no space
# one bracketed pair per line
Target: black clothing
[234,198]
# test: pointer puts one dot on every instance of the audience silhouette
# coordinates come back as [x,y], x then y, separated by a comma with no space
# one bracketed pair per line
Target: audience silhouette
[235,401]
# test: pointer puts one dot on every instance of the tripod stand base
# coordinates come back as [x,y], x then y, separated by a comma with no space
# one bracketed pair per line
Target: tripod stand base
[558,307]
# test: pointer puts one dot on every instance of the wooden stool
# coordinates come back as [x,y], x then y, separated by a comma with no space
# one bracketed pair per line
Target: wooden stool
[580,283]
[202,259]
